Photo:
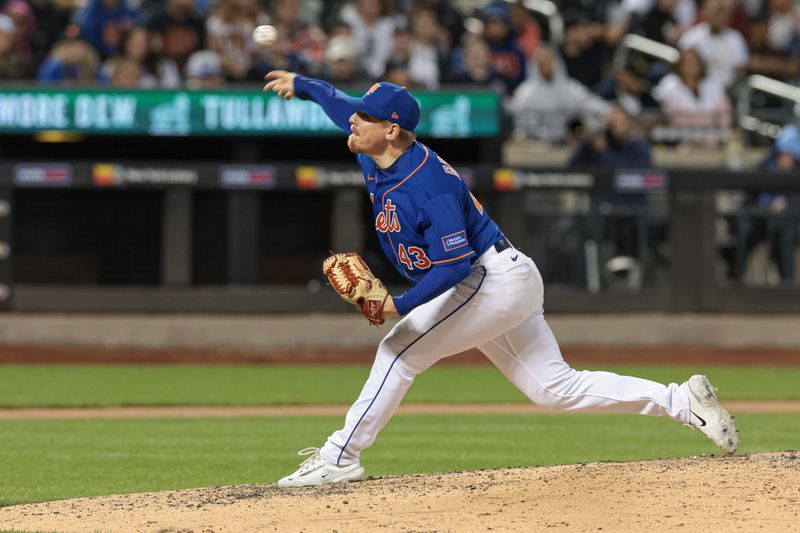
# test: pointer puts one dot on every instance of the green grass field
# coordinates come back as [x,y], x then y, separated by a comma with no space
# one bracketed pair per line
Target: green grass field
[55,459]
[77,385]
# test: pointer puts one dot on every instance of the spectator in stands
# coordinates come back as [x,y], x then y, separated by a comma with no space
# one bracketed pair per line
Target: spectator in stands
[784,24]
[229,31]
[341,65]
[178,32]
[204,70]
[544,105]
[12,66]
[583,49]
[692,100]
[124,72]
[285,13]
[659,23]
[24,27]
[398,74]
[769,216]
[72,61]
[135,46]
[630,88]
[659,20]
[475,66]
[507,57]
[52,18]
[722,49]
[526,27]
[372,29]
[306,38]
[774,54]
[103,21]
[618,146]
[449,18]
[425,49]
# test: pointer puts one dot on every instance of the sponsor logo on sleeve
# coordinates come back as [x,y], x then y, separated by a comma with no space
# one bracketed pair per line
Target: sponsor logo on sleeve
[455,241]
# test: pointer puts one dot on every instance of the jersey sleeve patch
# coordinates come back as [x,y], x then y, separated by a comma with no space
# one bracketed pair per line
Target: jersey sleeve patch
[454,241]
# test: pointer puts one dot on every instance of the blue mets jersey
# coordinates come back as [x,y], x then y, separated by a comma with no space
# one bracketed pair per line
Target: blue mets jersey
[429,224]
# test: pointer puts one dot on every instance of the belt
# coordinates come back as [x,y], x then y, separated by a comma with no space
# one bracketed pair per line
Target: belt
[502,244]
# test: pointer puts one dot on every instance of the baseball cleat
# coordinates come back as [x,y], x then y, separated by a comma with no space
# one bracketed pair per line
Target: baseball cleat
[317,471]
[708,416]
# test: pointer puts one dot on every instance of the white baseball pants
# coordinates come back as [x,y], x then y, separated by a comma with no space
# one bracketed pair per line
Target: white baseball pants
[498,309]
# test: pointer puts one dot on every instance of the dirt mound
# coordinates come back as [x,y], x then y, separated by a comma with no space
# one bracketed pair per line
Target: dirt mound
[755,492]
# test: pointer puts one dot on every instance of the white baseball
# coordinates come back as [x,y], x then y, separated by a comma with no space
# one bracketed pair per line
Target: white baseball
[265,35]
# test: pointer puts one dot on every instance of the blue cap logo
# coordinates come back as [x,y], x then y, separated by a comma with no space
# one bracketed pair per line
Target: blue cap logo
[393,103]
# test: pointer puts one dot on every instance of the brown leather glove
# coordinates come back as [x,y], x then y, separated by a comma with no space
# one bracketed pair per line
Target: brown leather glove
[356,284]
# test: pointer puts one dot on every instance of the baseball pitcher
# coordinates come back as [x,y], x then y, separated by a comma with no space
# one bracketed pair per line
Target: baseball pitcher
[469,288]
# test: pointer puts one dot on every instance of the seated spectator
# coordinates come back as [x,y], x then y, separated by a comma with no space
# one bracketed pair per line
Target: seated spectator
[784,24]
[722,49]
[658,23]
[204,70]
[546,103]
[630,88]
[306,38]
[659,20]
[398,74]
[507,57]
[229,31]
[52,19]
[372,29]
[617,146]
[526,27]
[767,216]
[692,100]
[341,65]
[424,49]
[124,72]
[451,20]
[12,66]
[72,61]
[135,46]
[178,32]
[24,27]
[774,46]
[475,66]
[583,49]
[103,21]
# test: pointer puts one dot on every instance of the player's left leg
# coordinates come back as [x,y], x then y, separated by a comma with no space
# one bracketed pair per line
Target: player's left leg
[530,358]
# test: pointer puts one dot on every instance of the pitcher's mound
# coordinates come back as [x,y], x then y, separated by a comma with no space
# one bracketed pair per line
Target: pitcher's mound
[755,492]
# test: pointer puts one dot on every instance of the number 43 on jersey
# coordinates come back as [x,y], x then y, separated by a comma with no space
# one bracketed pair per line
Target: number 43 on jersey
[413,257]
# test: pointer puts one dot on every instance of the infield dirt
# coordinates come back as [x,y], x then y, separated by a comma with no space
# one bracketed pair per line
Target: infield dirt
[746,493]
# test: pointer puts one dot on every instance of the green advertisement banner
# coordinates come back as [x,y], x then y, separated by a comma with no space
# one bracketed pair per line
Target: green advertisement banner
[173,113]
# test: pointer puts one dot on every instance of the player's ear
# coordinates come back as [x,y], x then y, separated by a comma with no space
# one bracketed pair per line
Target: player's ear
[393,132]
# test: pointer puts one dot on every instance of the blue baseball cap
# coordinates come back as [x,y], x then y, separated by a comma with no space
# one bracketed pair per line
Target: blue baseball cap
[391,102]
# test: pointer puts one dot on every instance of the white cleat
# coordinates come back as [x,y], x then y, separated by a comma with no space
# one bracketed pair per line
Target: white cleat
[317,471]
[708,415]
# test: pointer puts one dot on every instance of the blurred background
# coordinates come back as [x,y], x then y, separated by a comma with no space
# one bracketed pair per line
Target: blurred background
[643,152]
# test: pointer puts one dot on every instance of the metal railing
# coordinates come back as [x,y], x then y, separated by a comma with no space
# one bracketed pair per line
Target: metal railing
[752,84]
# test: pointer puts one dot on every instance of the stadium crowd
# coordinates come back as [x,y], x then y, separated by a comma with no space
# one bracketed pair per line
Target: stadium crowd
[545,74]
[555,72]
